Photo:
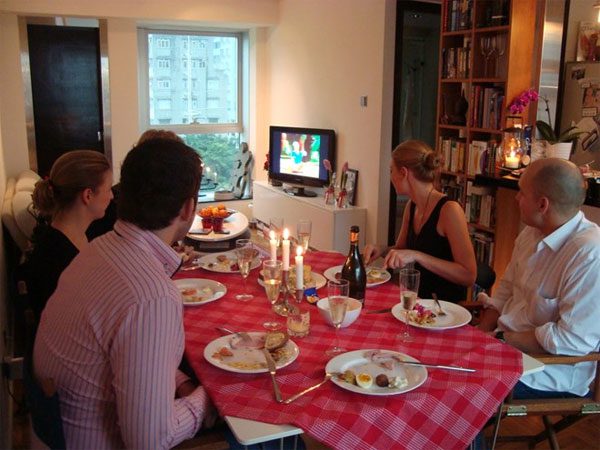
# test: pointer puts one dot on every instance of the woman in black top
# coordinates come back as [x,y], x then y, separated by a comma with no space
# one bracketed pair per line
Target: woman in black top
[76,193]
[434,235]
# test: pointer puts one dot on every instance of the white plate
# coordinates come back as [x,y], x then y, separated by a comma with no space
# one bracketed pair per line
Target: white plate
[218,289]
[358,363]
[236,224]
[318,281]
[456,316]
[385,275]
[247,356]
[210,262]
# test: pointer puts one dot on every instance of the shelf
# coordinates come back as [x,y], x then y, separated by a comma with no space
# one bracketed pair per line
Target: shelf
[481,227]
[452,174]
[453,127]
[498,29]
[454,80]
[456,33]
[488,80]
[485,130]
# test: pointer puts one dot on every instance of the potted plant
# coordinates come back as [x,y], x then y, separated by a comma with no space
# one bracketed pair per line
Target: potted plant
[557,146]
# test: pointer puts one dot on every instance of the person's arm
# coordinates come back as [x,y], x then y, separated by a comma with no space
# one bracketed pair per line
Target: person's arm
[463,269]
[372,252]
[144,359]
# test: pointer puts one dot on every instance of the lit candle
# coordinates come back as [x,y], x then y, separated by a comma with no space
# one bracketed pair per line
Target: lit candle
[512,161]
[299,268]
[273,244]
[285,249]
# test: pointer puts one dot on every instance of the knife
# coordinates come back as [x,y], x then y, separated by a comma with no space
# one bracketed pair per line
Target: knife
[378,311]
[272,369]
[436,366]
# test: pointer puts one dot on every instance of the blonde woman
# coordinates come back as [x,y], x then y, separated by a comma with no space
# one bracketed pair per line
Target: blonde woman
[434,235]
[77,191]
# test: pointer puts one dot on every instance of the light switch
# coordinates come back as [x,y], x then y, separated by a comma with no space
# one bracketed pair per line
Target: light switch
[363,101]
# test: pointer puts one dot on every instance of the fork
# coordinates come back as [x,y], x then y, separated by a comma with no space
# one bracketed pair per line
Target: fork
[437,302]
[328,376]
[245,336]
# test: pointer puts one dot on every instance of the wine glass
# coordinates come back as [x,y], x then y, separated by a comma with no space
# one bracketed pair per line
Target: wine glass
[303,230]
[272,279]
[499,48]
[244,249]
[409,288]
[337,292]
[486,50]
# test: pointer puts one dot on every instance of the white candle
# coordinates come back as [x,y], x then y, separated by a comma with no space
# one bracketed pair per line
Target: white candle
[299,268]
[285,249]
[273,244]
[512,161]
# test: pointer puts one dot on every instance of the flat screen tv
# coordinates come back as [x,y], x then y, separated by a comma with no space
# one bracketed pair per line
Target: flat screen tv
[296,157]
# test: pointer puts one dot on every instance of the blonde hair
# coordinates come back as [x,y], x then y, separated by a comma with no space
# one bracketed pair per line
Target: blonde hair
[419,158]
[158,134]
[72,173]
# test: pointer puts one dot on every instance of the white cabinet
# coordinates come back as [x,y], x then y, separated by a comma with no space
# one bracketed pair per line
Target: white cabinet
[330,224]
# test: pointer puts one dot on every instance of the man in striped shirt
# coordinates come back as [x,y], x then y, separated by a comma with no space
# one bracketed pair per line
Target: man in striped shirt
[111,336]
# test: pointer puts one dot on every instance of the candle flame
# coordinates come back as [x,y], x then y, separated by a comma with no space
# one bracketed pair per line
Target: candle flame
[286,234]
[299,250]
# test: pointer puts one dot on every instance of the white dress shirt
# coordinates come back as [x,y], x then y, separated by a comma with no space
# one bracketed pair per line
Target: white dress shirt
[552,285]
[111,337]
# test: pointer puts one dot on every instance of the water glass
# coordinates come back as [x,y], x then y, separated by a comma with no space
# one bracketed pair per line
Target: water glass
[409,289]
[298,321]
[244,250]
[303,231]
[337,292]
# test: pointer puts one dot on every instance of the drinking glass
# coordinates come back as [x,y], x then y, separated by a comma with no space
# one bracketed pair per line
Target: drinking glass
[337,292]
[271,272]
[409,287]
[303,230]
[244,249]
[276,226]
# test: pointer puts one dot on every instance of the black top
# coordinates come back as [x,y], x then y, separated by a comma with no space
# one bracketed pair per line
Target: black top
[429,241]
[52,253]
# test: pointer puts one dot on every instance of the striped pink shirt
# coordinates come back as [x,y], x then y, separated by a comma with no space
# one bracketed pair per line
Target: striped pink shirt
[111,336]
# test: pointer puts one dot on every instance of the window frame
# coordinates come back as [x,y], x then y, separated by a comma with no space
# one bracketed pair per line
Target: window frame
[192,128]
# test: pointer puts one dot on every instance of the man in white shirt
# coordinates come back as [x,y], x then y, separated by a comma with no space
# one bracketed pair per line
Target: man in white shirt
[549,297]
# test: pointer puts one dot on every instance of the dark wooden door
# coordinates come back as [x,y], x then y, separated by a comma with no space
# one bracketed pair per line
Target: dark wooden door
[66,90]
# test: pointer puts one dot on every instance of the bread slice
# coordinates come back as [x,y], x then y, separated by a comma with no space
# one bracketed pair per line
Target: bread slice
[275,340]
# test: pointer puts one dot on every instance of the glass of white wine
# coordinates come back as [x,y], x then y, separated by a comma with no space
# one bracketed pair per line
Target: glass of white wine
[244,250]
[303,230]
[271,272]
[337,292]
[409,288]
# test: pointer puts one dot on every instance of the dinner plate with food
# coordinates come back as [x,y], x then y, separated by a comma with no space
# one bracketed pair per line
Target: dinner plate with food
[376,372]
[243,352]
[425,315]
[189,256]
[226,262]
[375,275]
[199,291]
[311,279]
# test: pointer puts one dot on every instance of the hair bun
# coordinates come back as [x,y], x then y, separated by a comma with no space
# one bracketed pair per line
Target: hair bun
[433,160]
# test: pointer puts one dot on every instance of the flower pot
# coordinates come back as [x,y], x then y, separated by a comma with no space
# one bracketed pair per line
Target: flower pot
[559,150]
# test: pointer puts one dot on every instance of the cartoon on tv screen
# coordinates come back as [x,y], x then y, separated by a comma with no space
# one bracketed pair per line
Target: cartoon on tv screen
[300,154]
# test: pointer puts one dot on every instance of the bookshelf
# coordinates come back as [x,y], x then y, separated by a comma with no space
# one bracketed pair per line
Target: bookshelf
[488,56]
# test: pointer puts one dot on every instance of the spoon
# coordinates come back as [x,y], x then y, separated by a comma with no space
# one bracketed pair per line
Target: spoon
[437,302]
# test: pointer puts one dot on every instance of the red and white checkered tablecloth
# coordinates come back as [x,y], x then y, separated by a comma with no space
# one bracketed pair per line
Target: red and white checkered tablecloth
[446,412]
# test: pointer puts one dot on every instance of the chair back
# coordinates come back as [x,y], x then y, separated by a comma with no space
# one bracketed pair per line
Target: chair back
[486,277]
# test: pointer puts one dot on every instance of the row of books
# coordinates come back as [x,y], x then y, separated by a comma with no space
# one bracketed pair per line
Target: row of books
[457,15]
[456,62]
[486,107]
[453,151]
[482,157]
[480,205]
[483,244]
[452,189]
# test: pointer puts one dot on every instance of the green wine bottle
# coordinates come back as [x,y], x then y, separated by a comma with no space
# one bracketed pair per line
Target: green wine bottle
[354,268]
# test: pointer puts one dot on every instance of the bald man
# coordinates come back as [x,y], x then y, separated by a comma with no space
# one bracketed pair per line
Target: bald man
[549,297]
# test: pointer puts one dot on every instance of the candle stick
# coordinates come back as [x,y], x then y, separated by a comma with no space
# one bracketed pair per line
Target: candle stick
[285,249]
[299,260]
[273,245]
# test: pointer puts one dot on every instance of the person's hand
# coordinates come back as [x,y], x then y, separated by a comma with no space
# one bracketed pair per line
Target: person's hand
[399,258]
[370,253]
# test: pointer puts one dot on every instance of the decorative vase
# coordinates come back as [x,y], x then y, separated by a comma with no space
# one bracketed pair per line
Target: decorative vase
[330,195]
[342,198]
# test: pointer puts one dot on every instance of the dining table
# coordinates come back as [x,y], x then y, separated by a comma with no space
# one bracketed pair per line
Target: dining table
[446,411]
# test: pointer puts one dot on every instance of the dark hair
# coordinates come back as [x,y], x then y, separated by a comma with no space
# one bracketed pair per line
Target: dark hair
[71,173]
[153,133]
[157,177]
[419,158]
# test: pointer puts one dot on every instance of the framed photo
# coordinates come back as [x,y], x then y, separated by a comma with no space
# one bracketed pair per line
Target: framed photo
[351,184]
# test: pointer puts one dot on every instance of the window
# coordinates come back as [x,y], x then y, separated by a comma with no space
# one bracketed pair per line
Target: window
[206,114]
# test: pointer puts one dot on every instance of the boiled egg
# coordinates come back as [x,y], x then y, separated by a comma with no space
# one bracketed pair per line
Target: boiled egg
[364,380]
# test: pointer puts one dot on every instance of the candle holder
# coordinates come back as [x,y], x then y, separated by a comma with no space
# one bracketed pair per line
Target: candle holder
[512,147]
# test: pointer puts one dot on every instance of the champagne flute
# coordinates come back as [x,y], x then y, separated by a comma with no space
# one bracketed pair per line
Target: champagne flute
[272,279]
[303,230]
[244,249]
[409,288]
[337,292]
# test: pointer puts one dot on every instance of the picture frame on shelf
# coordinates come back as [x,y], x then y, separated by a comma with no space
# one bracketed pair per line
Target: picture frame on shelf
[351,184]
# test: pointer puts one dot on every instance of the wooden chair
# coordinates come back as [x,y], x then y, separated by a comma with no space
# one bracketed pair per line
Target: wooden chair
[571,409]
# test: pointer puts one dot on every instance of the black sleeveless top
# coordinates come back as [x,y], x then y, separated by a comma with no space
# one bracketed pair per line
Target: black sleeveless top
[430,242]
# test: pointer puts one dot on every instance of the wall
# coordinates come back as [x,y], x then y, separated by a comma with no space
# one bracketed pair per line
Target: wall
[579,11]
[324,55]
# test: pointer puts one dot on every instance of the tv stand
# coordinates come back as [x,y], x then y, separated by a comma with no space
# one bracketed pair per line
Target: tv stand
[299,191]
[330,224]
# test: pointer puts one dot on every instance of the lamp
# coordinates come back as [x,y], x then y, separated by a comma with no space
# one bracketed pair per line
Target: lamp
[512,147]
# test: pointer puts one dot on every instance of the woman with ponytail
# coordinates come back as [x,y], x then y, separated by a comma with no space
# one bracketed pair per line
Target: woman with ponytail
[77,192]
[434,235]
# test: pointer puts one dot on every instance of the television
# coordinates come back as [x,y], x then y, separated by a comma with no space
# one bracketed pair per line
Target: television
[296,157]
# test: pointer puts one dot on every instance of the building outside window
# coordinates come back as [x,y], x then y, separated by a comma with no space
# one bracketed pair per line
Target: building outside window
[204,103]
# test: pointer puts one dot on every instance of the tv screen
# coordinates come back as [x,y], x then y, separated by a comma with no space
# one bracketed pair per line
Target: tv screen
[296,157]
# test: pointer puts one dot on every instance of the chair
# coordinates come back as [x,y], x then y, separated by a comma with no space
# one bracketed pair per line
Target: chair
[485,279]
[571,409]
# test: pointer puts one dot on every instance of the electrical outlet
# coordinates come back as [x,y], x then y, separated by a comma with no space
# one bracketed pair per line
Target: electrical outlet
[12,368]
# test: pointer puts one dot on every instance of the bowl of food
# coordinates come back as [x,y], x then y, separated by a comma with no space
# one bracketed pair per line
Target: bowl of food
[352,313]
